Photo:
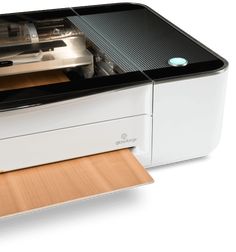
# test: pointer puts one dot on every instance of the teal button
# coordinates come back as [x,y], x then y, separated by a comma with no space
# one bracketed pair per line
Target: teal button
[177,62]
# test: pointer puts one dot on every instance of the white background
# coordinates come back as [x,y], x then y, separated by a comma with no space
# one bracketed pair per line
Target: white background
[192,205]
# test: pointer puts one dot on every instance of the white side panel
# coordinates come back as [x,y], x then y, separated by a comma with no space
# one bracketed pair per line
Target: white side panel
[187,118]
[36,149]
[95,108]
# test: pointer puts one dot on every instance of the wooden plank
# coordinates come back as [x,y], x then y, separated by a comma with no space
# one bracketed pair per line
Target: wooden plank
[32,80]
[51,184]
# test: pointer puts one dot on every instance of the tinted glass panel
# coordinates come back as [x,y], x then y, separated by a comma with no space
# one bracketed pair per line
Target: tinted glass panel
[147,40]
[45,57]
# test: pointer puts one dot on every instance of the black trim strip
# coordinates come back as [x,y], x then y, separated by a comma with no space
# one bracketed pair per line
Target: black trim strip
[37,15]
[105,8]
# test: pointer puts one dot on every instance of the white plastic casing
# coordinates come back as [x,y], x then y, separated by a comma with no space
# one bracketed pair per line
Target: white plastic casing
[78,127]
[162,123]
[85,110]
[187,117]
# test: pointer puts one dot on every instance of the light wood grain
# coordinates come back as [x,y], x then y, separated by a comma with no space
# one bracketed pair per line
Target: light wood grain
[51,184]
[32,80]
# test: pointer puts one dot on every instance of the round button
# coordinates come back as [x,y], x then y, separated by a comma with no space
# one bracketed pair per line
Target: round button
[178,62]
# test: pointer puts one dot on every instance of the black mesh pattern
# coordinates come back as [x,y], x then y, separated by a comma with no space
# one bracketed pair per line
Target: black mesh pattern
[103,45]
[140,39]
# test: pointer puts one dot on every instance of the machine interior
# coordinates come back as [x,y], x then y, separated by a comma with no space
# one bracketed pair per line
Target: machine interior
[38,51]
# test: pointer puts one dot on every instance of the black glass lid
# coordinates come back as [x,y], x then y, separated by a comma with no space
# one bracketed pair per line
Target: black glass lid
[147,41]
[67,53]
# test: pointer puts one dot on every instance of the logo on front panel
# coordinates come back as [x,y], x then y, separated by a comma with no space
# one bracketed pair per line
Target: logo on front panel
[124,139]
[124,136]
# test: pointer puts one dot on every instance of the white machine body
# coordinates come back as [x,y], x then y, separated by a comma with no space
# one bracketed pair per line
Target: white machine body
[162,123]
[86,80]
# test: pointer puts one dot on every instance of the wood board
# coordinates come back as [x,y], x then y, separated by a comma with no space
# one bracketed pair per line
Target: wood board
[51,184]
[32,80]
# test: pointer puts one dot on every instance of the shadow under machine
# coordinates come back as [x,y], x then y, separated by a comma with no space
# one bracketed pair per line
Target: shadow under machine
[99,80]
